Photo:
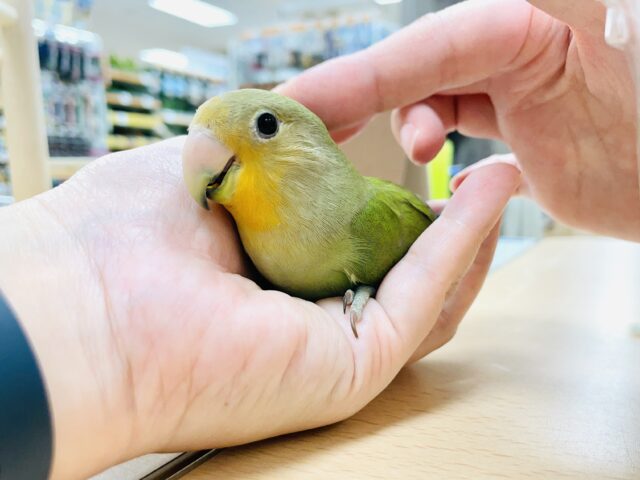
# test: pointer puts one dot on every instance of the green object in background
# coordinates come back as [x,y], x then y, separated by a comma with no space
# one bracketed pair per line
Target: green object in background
[439,172]
[123,63]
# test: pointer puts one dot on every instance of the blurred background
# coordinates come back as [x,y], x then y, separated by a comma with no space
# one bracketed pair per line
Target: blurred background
[119,74]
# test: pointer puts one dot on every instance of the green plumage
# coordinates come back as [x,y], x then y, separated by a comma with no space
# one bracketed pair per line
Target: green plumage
[369,243]
[385,228]
[338,229]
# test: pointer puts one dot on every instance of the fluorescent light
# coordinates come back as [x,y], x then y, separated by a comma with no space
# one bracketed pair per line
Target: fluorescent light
[387,2]
[196,11]
[165,58]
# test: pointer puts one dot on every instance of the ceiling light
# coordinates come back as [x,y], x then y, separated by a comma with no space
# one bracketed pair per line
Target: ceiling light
[165,58]
[196,11]
[387,2]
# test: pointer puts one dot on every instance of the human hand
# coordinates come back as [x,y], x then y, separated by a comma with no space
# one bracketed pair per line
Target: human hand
[536,75]
[151,338]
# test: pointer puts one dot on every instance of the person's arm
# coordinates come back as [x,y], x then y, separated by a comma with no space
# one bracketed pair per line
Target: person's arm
[48,276]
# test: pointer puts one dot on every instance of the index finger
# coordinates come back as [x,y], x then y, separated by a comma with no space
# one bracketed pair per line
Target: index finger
[455,47]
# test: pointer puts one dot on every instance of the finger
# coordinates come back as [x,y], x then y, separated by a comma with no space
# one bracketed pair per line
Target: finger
[460,300]
[419,130]
[341,136]
[585,15]
[479,87]
[471,115]
[438,205]
[458,46]
[510,159]
[430,120]
[443,253]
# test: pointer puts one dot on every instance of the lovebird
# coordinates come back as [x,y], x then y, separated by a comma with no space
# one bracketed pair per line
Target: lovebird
[312,225]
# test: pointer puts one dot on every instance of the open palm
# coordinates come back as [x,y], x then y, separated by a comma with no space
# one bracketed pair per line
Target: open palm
[169,344]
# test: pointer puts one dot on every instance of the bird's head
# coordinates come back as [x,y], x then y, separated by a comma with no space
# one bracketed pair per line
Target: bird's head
[247,140]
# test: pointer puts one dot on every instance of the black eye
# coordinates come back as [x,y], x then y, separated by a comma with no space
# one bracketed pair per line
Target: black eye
[267,125]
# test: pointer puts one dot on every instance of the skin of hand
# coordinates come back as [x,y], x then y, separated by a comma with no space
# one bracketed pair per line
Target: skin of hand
[537,75]
[151,335]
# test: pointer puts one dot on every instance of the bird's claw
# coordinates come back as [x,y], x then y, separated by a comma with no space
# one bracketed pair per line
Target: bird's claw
[356,300]
[347,300]
[354,317]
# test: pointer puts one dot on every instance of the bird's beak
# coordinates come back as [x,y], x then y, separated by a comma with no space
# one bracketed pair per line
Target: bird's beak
[205,162]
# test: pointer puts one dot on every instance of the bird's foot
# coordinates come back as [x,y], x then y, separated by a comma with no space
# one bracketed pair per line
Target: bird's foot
[357,302]
[347,300]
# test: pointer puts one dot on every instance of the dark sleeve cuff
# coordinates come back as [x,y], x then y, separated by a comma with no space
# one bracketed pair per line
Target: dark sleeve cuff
[26,436]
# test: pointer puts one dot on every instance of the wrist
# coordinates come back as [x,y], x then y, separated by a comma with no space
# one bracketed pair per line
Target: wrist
[49,281]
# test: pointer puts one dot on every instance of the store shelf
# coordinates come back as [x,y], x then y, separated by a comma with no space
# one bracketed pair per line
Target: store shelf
[62,168]
[129,100]
[124,142]
[174,117]
[143,79]
[138,121]
[187,73]
[261,86]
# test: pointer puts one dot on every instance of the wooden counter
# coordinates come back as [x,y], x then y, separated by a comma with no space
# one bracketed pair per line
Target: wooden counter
[542,381]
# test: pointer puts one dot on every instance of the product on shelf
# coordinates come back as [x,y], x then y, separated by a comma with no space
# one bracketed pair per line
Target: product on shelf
[73,90]
[133,107]
[183,90]
[146,103]
[272,55]
[181,94]
[64,12]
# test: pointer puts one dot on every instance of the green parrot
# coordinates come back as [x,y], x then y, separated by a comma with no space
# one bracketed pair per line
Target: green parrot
[312,225]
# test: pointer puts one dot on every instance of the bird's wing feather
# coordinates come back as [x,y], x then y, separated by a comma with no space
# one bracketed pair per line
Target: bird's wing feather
[384,229]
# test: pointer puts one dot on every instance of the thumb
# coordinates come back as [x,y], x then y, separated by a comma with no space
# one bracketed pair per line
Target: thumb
[585,15]
[418,285]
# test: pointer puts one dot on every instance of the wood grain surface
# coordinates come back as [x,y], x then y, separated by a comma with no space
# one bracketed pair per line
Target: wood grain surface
[542,381]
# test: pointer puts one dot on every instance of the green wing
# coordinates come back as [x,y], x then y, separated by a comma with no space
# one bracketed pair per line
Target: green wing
[384,229]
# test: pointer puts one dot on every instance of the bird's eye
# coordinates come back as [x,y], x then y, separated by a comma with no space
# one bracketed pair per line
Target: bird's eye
[267,125]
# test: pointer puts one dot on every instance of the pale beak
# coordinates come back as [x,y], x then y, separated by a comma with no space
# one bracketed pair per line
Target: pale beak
[205,162]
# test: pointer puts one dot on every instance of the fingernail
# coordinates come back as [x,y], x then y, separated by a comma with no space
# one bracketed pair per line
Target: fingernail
[493,159]
[408,134]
